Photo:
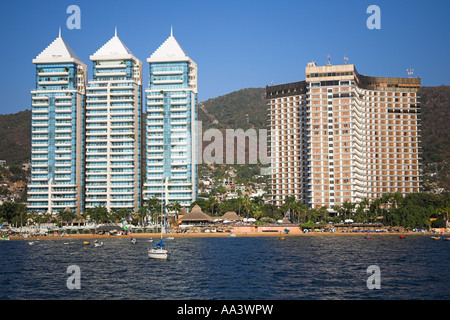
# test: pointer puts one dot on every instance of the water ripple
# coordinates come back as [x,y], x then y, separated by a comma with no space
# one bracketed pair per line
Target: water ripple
[329,267]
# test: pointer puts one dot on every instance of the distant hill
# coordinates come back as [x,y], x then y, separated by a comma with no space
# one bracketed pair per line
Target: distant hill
[247,108]
[244,109]
[435,107]
[15,137]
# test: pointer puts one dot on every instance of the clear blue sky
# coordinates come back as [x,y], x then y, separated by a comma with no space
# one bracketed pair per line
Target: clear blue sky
[236,44]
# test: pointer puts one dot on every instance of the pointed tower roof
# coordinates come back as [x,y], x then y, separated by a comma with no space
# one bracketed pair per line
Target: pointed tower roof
[170,50]
[113,49]
[57,52]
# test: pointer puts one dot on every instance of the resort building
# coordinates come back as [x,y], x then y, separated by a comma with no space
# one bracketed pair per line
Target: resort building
[341,136]
[57,130]
[170,132]
[113,128]
[288,137]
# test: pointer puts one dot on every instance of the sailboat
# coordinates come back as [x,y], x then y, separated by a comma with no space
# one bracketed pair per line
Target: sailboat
[158,249]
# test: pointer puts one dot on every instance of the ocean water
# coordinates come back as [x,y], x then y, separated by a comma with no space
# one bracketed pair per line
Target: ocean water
[230,268]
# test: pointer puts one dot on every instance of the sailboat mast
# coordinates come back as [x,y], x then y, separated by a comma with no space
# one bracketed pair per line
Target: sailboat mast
[166,189]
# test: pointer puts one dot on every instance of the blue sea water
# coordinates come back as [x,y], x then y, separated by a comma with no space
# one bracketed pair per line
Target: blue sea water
[229,268]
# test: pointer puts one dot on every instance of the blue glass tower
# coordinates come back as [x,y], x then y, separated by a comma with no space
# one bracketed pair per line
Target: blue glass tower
[57,131]
[170,125]
[113,129]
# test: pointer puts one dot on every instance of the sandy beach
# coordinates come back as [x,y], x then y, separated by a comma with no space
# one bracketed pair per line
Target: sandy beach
[218,234]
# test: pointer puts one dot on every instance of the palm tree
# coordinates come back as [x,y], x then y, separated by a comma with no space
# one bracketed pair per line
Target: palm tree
[66,216]
[212,204]
[99,214]
[176,206]
[302,209]
[121,214]
[240,202]
[322,213]
[141,215]
[246,203]
[152,206]
[361,212]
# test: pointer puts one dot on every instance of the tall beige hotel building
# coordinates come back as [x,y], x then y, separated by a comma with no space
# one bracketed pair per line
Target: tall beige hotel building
[341,136]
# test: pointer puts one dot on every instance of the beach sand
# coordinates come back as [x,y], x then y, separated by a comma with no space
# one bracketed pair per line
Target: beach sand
[213,234]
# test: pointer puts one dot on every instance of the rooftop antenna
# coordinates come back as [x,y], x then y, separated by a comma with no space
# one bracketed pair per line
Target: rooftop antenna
[171,31]
[115,31]
[329,60]
[410,72]
[59,34]
[345,59]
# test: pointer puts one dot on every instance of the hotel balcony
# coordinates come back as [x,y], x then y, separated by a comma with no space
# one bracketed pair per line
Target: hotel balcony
[63,117]
[180,81]
[39,104]
[98,75]
[56,73]
[172,72]
[51,83]
[63,110]
[39,117]
[59,130]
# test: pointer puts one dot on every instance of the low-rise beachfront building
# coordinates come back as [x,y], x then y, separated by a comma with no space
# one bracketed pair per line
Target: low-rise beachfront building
[113,128]
[57,130]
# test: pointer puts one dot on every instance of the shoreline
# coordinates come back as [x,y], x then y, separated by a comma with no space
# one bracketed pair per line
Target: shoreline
[221,234]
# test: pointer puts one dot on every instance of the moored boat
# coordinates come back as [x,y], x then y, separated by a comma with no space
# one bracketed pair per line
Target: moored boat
[158,253]
[159,250]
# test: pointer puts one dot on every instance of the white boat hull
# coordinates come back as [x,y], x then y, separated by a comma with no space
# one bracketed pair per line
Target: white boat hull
[158,253]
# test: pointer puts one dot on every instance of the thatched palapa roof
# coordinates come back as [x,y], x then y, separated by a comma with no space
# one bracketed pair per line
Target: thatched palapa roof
[232,216]
[197,215]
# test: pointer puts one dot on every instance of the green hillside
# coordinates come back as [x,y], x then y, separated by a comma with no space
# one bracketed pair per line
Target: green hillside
[15,137]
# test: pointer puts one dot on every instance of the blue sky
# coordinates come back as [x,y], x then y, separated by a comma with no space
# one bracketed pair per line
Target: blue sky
[236,44]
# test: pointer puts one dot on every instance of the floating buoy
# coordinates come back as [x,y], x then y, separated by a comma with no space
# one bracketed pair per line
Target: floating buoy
[86,243]
[282,239]
[402,237]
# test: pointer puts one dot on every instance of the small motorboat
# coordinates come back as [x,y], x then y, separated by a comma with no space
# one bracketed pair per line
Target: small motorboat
[6,238]
[133,240]
[98,244]
[446,239]
[30,243]
[436,238]
[367,237]
[232,235]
